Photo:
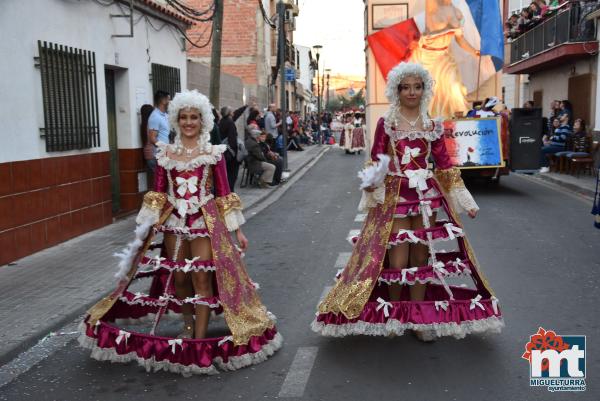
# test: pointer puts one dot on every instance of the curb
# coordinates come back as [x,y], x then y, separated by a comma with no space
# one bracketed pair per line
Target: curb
[571,187]
[252,210]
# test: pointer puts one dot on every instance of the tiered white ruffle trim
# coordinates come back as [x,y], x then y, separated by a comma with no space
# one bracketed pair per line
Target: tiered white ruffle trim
[235,362]
[393,327]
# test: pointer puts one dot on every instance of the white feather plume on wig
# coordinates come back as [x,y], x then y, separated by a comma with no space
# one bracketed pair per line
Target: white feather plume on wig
[395,77]
[191,99]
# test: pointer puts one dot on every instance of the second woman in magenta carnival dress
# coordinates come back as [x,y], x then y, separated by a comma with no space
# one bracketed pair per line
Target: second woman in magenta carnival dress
[397,276]
[198,271]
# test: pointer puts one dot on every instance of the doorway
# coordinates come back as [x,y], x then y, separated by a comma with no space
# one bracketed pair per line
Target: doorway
[113,145]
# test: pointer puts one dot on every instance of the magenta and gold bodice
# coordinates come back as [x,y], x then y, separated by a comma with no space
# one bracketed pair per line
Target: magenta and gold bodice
[410,153]
[189,185]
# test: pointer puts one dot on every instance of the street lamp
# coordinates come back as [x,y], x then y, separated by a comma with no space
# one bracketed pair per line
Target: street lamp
[317,49]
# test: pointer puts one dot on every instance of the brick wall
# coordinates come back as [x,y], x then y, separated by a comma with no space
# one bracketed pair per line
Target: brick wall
[131,163]
[47,201]
[239,41]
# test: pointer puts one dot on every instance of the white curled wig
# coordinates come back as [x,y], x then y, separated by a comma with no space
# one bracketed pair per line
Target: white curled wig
[192,99]
[395,77]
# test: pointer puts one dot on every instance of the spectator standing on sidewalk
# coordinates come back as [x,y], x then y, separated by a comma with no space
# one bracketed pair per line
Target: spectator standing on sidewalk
[229,136]
[215,134]
[148,147]
[566,108]
[271,123]
[158,122]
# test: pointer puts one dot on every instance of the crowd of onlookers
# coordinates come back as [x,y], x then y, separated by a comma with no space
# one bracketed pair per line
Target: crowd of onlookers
[540,10]
[566,138]
[259,150]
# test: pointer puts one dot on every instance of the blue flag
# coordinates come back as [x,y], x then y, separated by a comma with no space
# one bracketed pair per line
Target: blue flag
[488,20]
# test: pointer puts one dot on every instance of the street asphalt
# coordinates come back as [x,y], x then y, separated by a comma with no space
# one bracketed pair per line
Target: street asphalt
[535,243]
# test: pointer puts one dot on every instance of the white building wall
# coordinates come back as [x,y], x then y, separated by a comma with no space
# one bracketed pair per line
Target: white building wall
[85,25]
[554,84]
[306,73]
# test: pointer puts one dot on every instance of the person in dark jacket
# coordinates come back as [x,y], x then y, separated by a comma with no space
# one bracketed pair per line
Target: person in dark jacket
[271,158]
[256,161]
[215,135]
[229,135]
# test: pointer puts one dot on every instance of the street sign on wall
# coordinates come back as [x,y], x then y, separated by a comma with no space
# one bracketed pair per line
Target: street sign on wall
[290,74]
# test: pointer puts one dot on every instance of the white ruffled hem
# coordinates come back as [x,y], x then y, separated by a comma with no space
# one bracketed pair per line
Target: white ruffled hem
[393,327]
[234,219]
[234,363]
[238,362]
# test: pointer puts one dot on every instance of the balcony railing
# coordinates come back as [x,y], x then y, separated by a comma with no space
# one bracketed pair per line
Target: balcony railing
[568,26]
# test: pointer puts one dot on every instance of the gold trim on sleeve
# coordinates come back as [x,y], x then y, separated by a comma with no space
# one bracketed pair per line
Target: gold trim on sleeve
[449,178]
[229,203]
[155,200]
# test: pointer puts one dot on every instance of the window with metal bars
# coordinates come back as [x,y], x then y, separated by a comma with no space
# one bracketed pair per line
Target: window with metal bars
[70,97]
[166,79]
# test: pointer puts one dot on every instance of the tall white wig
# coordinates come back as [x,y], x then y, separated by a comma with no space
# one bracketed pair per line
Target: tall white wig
[192,99]
[395,77]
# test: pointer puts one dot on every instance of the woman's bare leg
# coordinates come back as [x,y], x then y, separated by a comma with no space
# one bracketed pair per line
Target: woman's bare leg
[398,256]
[418,256]
[182,281]
[202,281]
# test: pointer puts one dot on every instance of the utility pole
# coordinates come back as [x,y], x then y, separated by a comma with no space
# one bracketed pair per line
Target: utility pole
[282,93]
[215,56]
[317,49]
[327,91]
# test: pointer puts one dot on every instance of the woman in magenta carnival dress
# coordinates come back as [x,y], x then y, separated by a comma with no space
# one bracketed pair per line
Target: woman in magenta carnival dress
[396,279]
[199,271]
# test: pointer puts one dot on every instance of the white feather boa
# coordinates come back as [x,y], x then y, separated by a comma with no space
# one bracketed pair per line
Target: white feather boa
[126,255]
[373,176]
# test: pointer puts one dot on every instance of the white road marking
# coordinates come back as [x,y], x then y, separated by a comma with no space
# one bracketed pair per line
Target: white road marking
[297,377]
[360,217]
[42,350]
[342,259]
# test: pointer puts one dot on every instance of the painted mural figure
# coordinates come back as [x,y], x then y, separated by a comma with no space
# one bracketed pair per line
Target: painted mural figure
[398,278]
[443,22]
[196,273]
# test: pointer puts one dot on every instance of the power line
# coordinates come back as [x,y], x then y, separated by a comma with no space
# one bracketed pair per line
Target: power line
[191,10]
[264,15]
[191,13]
[195,44]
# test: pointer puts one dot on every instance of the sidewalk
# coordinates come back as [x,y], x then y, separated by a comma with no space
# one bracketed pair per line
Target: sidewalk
[584,184]
[43,291]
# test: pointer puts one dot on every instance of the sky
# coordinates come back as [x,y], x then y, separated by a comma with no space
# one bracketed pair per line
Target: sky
[337,25]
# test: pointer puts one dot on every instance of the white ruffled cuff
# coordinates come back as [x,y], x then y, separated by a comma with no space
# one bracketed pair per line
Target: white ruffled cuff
[461,200]
[371,199]
[234,219]
[151,209]
[147,215]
